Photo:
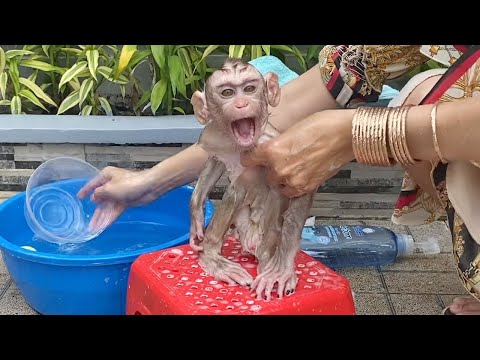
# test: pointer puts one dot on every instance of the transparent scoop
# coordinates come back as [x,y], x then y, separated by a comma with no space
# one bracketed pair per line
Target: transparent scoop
[52,209]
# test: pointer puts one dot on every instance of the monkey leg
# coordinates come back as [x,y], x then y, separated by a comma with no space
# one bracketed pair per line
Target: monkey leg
[208,178]
[280,269]
[210,258]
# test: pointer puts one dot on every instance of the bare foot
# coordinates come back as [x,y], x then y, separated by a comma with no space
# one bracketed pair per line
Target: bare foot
[467,305]
[275,273]
[224,270]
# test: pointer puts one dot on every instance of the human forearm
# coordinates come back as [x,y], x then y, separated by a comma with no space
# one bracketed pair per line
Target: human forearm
[179,169]
[300,98]
[458,130]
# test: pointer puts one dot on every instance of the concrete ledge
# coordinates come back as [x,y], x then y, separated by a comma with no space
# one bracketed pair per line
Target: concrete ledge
[77,129]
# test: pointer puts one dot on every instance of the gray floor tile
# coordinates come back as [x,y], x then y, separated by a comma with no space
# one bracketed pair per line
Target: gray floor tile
[371,304]
[3,268]
[409,304]
[438,230]
[363,280]
[422,283]
[13,303]
[440,262]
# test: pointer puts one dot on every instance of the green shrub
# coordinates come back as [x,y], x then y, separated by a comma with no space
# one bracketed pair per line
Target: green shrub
[67,79]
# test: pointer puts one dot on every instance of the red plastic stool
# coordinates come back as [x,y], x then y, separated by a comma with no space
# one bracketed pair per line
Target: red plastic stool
[170,281]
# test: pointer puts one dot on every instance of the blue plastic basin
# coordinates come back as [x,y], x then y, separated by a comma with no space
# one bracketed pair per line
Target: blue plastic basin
[90,278]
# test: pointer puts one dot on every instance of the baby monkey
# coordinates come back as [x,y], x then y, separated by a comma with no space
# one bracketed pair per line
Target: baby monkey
[234,108]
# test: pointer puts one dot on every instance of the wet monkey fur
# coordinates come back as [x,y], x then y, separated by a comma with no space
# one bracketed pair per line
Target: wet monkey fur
[234,110]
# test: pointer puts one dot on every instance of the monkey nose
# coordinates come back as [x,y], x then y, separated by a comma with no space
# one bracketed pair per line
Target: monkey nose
[241,104]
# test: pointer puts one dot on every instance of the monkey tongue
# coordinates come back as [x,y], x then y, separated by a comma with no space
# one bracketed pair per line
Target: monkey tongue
[244,130]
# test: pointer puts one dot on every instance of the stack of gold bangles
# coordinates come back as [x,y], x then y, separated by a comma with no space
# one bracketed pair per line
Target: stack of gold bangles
[377,130]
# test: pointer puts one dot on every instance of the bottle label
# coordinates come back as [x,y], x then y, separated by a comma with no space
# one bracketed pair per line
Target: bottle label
[325,235]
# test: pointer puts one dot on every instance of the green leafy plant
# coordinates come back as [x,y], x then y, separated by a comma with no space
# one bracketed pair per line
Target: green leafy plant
[72,75]
[18,92]
[177,71]
[68,79]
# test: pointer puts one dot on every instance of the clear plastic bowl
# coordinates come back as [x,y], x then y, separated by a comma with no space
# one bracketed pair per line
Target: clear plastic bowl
[52,209]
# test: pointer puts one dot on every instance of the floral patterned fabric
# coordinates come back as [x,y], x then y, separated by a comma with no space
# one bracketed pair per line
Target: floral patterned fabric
[356,73]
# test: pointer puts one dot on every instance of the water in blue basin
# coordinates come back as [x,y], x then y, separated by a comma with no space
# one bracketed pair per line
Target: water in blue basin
[90,277]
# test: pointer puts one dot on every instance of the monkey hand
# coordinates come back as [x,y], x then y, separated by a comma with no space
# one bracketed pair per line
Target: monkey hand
[275,272]
[197,228]
[223,269]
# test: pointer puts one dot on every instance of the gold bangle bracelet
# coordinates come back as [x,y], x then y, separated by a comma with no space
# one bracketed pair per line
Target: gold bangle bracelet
[433,116]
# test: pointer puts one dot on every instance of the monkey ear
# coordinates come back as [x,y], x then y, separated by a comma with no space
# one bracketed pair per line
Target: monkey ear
[200,107]
[271,80]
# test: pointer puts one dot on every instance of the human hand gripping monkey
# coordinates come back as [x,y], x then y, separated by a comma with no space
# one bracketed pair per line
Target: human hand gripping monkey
[234,108]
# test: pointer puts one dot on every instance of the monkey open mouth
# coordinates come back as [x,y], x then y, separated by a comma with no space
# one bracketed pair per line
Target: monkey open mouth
[244,131]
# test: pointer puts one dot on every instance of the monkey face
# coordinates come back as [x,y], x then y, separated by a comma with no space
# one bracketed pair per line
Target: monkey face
[237,98]
[244,107]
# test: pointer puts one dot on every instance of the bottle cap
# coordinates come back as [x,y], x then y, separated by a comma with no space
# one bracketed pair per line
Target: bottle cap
[405,245]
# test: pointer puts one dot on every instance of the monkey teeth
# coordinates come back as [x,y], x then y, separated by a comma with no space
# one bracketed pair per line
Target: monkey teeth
[244,131]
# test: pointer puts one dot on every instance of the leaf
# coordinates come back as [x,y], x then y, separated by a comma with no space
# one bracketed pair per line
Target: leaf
[107,73]
[5,102]
[69,102]
[312,51]
[73,72]
[16,105]
[72,51]
[158,52]
[231,50]
[138,57]
[146,107]
[187,64]
[12,53]
[180,110]
[282,48]
[33,76]
[158,92]
[45,86]
[3,60]
[191,79]
[92,58]
[3,84]
[208,51]
[85,90]
[143,100]
[37,90]
[177,76]
[125,56]
[74,84]
[14,75]
[240,49]
[86,110]
[45,49]
[40,65]
[105,106]
[122,90]
[27,94]
[300,57]
[266,49]
[255,51]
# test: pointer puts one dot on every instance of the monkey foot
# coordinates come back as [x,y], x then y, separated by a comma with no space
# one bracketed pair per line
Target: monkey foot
[285,279]
[225,270]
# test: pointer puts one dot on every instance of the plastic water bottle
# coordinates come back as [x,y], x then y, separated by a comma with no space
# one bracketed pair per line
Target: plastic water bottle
[360,246]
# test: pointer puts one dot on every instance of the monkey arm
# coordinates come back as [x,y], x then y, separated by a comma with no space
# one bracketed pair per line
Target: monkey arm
[208,178]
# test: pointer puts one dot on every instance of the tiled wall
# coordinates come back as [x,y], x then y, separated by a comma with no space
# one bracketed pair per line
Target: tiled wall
[355,188]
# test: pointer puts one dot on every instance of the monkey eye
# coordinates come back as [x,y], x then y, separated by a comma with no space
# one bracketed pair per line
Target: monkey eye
[227,92]
[249,88]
